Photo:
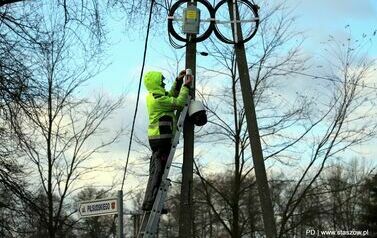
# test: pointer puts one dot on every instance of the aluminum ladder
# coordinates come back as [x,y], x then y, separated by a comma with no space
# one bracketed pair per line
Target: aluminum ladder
[150,229]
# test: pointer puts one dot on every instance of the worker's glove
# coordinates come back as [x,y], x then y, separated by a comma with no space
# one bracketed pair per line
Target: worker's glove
[181,75]
[188,80]
[179,80]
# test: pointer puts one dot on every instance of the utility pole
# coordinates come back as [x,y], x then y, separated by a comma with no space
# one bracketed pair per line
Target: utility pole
[186,215]
[252,126]
[120,214]
[186,205]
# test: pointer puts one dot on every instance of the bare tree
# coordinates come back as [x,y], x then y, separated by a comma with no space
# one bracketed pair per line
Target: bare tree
[347,116]
[57,130]
[369,205]
[268,56]
[14,80]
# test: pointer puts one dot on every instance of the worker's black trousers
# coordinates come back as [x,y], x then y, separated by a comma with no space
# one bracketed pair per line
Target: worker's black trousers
[160,153]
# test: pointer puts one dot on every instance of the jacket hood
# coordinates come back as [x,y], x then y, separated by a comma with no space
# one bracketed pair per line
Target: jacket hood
[152,82]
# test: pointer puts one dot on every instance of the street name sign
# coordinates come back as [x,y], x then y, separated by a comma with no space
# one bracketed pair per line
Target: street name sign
[98,207]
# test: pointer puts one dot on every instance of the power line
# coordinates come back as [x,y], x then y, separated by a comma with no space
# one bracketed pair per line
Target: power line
[138,92]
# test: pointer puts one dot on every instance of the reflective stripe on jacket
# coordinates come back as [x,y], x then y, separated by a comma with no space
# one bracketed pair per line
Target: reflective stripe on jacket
[161,105]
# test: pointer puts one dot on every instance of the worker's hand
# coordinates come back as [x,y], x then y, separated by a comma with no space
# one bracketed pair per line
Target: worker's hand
[181,75]
[188,81]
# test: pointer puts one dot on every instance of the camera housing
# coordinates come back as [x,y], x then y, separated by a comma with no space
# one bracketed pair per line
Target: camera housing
[197,113]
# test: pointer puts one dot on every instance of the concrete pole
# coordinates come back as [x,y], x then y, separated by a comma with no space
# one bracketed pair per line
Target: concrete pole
[253,130]
[186,216]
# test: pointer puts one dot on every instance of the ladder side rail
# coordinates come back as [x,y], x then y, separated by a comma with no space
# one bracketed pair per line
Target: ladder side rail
[154,217]
[176,139]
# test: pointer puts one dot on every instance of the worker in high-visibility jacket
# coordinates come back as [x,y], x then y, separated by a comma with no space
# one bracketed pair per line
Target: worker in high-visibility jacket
[162,125]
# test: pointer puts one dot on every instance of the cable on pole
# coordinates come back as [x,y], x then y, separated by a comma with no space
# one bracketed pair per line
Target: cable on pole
[250,8]
[138,92]
[198,38]
[174,44]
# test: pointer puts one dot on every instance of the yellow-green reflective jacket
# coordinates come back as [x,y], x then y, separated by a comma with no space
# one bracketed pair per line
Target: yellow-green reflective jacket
[162,104]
